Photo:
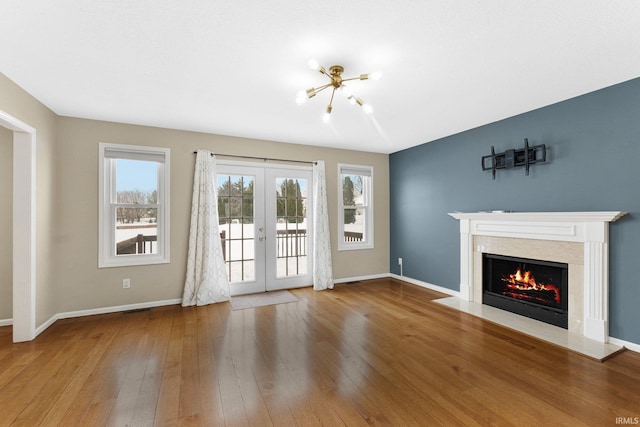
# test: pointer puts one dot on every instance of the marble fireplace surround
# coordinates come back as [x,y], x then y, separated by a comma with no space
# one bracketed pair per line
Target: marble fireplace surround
[580,239]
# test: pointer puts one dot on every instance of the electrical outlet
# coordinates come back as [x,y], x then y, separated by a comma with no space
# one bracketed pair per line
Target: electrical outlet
[126,283]
[399,261]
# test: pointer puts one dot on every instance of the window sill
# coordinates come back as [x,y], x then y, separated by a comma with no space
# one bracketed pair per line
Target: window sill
[355,247]
[133,261]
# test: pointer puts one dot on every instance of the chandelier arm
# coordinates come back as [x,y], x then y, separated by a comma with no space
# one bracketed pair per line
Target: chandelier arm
[352,78]
[331,100]
[322,70]
[323,87]
[320,88]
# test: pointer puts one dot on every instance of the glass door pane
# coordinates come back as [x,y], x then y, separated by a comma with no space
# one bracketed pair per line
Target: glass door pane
[235,207]
[291,228]
[288,224]
[238,211]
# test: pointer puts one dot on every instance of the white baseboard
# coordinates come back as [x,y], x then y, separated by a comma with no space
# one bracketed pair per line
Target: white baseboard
[359,278]
[6,322]
[118,308]
[40,329]
[105,310]
[629,345]
[404,279]
[427,285]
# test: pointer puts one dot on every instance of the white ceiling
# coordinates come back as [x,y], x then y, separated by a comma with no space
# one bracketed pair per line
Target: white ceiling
[235,67]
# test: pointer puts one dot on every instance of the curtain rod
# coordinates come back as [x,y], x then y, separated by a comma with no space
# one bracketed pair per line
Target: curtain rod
[260,158]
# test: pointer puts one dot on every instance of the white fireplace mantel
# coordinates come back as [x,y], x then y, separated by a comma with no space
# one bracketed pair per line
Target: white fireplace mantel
[589,228]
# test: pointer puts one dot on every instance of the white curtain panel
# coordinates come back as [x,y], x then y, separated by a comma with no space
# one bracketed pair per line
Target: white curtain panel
[322,268]
[206,280]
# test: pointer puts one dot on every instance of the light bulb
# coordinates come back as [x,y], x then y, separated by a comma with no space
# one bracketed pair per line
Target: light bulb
[326,117]
[375,76]
[367,108]
[301,97]
[313,64]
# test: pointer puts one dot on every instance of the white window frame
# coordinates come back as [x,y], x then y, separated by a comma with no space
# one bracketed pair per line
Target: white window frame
[108,154]
[367,242]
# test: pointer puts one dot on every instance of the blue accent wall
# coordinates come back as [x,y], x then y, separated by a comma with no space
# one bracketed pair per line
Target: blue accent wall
[593,164]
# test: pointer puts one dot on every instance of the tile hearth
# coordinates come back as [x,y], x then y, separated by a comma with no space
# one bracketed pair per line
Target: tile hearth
[553,334]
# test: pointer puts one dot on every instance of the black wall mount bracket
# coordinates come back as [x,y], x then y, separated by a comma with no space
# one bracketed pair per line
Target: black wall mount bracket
[514,158]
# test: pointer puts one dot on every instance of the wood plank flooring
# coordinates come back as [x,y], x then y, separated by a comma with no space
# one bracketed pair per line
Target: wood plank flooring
[378,352]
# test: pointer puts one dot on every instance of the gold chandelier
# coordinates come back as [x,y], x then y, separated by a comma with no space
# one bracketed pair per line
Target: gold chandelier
[336,82]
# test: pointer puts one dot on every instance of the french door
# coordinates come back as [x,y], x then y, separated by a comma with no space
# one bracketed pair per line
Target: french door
[265,226]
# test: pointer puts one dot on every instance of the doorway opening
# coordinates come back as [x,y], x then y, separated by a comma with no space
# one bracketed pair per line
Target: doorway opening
[24,229]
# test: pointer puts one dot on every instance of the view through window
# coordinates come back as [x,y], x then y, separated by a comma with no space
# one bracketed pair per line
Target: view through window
[356,215]
[136,207]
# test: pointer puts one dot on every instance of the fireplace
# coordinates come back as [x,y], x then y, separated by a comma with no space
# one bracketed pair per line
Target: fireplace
[580,239]
[533,288]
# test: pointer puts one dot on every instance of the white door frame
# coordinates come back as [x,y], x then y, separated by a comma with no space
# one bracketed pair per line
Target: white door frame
[283,283]
[24,227]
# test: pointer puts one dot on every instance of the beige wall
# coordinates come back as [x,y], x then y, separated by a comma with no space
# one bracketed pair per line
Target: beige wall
[82,285]
[21,105]
[67,277]
[6,218]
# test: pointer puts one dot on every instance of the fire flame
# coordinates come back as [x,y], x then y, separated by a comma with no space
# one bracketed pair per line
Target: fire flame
[524,281]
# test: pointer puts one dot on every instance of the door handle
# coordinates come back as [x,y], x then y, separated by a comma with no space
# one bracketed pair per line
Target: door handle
[261,238]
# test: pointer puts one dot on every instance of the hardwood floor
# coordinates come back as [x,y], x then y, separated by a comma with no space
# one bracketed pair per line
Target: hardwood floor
[376,352]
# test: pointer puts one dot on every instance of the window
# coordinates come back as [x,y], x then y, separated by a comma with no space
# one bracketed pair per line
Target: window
[134,205]
[355,200]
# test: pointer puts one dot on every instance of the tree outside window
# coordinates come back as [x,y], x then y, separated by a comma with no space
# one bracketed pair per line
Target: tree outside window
[356,217]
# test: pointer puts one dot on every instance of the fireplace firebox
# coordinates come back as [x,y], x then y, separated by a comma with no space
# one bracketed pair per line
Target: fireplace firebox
[533,288]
